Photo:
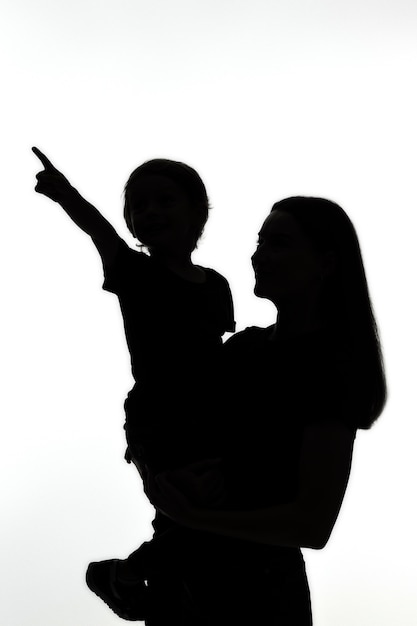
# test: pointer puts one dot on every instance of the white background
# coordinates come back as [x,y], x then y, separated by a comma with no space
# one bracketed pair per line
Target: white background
[266,99]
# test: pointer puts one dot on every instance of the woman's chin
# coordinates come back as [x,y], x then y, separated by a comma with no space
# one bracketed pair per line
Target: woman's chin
[262,291]
[259,291]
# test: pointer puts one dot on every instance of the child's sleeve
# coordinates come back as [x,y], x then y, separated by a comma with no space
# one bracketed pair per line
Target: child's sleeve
[116,273]
[229,315]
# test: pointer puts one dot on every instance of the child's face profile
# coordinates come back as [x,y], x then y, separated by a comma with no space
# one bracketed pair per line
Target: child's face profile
[160,213]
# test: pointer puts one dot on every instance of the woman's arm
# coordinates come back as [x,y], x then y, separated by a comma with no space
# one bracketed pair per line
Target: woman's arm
[53,184]
[306,522]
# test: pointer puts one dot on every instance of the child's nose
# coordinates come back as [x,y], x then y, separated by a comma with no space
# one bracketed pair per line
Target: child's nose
[149,209]
[152,216]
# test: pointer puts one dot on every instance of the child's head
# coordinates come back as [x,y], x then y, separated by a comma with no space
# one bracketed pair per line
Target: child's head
[166,203]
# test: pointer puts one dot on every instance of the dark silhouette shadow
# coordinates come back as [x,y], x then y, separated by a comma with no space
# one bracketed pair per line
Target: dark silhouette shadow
[270,414]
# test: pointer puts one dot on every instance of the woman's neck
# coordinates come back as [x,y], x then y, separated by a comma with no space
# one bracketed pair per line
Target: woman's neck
[294,321]
[278,333]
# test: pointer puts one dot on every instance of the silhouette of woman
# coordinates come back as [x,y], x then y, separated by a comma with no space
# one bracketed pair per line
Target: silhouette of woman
[294,395]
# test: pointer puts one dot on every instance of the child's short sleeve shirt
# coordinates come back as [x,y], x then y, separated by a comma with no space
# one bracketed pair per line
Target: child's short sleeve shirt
[169,322]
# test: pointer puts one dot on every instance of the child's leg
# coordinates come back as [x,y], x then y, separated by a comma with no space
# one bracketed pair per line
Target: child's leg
[137,566]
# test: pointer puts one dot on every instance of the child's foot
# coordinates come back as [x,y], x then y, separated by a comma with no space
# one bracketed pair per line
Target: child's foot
[130,600]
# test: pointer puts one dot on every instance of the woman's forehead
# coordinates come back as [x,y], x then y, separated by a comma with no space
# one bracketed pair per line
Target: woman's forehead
[280,222]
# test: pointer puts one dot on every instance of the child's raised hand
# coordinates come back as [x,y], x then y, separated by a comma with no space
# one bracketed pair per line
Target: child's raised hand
[51,182]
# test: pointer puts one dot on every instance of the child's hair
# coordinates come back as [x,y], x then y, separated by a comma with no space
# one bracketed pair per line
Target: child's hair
[187,178]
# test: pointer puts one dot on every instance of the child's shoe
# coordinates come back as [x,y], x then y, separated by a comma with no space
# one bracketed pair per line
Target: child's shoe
[129,600]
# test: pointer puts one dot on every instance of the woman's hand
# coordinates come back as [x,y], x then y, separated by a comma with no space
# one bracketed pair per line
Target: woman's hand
[168,498]
[202,482]
[182,494]
[51,182]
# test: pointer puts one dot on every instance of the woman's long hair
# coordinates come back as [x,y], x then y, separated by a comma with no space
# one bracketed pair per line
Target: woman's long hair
[346,304]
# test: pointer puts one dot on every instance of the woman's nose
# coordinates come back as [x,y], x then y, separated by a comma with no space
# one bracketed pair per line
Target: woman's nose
[258,255]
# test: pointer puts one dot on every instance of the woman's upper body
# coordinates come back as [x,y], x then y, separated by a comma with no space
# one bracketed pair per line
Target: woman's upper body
[275,390]
[286,447]
[296,391]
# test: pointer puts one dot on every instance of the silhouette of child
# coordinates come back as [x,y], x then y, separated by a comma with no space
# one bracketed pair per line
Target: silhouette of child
[174,313]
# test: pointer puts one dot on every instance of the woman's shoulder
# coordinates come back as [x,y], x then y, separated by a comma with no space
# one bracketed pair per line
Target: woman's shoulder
[250,335]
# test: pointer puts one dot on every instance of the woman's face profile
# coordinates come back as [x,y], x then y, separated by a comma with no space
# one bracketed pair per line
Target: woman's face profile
[285,262]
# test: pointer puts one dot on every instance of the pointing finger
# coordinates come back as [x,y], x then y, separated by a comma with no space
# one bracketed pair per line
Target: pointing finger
[44,160]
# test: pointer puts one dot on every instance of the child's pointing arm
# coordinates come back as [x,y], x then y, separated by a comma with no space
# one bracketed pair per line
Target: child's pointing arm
[53,184]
